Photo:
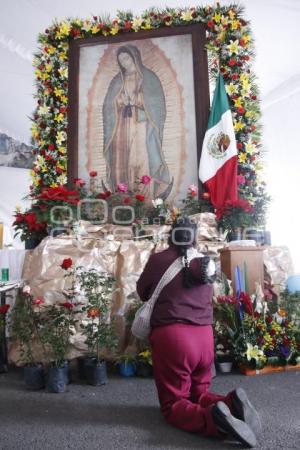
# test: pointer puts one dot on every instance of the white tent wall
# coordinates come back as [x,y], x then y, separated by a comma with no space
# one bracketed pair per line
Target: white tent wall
[275,28]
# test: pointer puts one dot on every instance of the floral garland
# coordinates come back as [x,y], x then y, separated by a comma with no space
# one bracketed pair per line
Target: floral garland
[230,49]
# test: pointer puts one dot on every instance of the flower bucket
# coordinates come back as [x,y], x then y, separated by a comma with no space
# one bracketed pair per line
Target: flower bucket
[67,371]
[95,371]
[34,377]
[143,369]
[224,367]
[30,244]
[56,380]
[81,367]
[126,369]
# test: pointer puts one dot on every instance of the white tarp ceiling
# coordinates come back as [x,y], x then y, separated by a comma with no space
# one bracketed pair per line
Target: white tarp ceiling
[275,28]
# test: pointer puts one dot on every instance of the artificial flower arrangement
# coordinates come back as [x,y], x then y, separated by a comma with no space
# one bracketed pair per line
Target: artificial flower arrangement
[252,335]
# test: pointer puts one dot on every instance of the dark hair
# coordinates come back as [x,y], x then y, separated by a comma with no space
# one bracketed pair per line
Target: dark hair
[184,236]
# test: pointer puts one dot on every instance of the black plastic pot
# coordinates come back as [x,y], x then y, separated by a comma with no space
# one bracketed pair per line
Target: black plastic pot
[30,244]
[96,373]
[144,369]
[56,380]
[34,377]
[81,367]
[67,370]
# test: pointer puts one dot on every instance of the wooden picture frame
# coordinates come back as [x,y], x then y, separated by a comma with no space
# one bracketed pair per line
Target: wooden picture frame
[176,59]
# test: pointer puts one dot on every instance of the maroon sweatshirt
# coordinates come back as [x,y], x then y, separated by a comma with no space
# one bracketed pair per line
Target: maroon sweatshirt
[175,302]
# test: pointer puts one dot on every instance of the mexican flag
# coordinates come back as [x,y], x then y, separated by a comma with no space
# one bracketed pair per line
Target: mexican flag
[218,162]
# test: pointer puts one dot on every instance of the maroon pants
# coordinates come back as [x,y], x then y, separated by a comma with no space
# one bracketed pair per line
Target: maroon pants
[182,358]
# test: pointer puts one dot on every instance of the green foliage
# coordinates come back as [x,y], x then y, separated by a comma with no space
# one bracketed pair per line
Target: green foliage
[97,327]
[290,302]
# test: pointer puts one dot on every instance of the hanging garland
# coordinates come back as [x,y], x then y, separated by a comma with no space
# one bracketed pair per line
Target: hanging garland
[230,50]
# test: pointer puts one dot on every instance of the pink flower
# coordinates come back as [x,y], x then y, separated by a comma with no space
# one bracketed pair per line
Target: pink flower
[79,182]
[193,190]
[241,179]
[38,301]
[122,187]
[145,179]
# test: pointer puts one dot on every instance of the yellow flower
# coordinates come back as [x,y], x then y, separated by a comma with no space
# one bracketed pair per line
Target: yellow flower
[62,150]
[86,26]
[238,126]
[244,77]
[224,20]
[231,14]
[246,38]
[233,47]
[254,353]
[238,102]
[63,30]
[45,76]
[64,99]
[250,114]
[61,179]
[187,16]
[48,68]
[147,25]
[62,56]
[53,184]
[246,85]
[59,118]
[18,208]
[58,92]
[63,72]
[51,50]
[217,17]
[235,24]
[114,30]
[38,73]
[282,312]
[42,142]
[95,29]
[231,89]
[242,157]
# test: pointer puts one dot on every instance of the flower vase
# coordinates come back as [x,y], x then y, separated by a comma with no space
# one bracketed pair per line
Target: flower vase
[126,368]
[224,367]
[143,369]
[31,244]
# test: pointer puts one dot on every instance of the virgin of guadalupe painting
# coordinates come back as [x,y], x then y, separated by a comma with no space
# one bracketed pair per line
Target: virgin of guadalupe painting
[136,109]
[134,114]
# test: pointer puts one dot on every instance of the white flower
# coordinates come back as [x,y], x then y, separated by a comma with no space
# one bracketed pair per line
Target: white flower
[157,202]
[26,289]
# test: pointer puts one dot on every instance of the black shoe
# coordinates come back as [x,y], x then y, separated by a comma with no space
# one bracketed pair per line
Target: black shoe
[236,428]
[244,410]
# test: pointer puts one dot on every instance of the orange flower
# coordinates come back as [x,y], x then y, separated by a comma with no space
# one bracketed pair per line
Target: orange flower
[93,312]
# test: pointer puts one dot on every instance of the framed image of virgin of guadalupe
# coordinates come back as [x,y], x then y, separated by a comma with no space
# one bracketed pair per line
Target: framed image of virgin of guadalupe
[138,105]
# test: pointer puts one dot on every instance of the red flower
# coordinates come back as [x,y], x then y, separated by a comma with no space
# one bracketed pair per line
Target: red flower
[234,76]
[127,24]
[241,110]
[68,305]
[256,316]
[272,332]
[210,24]
[4,309]
[93,173]
[79,182]
[269,319]
[145,179]
[241,179]
[247,303]
[140,197]
[66,264]
[104,195]
[127,200]
[93,312]
[59,193]
[38,301]
[232,62]
[51,147]
[206,195]
[239,146]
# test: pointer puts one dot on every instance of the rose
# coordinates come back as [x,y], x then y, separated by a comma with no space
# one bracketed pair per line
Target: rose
[79,182]
[126,200]
[193,190]
[93,312]
[66,264]
[140,197]
[4,309]
[241,179]
[122,187]
[145,179]
[38,301]
[206,195]
[93,173]
[68,305]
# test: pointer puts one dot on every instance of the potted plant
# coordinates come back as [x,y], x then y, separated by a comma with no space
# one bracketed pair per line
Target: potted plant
[30,227]
[57,326]
[144,366]
[97,289]
[25,328]
[126,364]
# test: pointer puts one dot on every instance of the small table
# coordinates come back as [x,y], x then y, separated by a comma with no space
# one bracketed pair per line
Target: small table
[5,287]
